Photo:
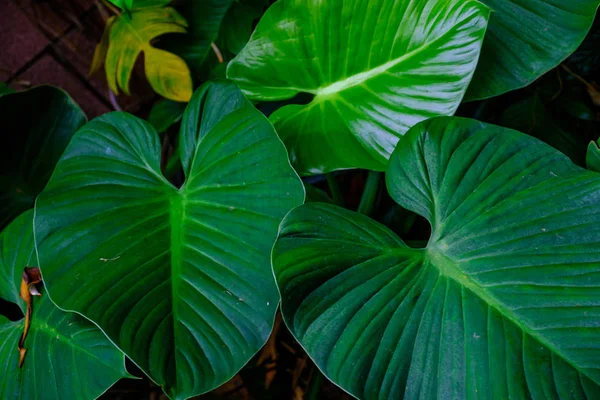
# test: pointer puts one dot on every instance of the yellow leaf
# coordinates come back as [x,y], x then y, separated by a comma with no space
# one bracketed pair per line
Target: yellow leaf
[101,49]
[167,73]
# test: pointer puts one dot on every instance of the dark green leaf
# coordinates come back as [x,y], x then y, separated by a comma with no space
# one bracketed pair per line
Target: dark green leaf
[204,19]
[525,39]
[592,158]
[374,72]
[67,356]
[504,300]
[179,279]
[37,126]
[165,113]
[5,89]
[316,195]
[237,24]
[531,116]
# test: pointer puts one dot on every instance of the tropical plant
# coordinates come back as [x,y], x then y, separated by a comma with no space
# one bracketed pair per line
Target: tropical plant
[180,243]
[130,34]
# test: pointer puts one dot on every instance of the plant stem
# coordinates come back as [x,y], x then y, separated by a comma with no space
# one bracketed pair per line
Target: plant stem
[314,387]
[369,196]
[334,188]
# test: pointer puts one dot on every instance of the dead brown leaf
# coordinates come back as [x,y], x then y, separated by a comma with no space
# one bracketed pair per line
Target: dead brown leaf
[31,276]
[269,354]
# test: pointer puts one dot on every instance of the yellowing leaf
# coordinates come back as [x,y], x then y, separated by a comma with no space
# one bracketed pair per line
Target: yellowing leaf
[168,74]
[101,49]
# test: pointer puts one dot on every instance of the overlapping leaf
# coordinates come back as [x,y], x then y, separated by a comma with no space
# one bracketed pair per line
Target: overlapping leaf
[374,72]
[67,356]
[205,18]
[525,39]
[179,279]
[531,116]
[502,303]
[131,35]
[592,158]
[37,125]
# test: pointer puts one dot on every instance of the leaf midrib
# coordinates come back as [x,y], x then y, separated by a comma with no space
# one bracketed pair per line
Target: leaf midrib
[450,269]
[144,45]
[361,77]
[177,217]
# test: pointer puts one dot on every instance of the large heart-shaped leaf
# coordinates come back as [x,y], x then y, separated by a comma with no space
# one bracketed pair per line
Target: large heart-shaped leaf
[67,356]
[502,303]
[37,125]
[131,35]
[525,39]
[374,72]
[179,279]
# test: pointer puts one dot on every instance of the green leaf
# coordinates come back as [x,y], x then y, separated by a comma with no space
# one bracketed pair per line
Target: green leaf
[314,194]
[504,300]
[37,126]
[5,89]
[526,39]
[124,5]
[167,73]
[205,18]
[165,113]
[237,24]
[139,4]
[592,158]
[374,72]
[179,279]
[531,116]
[67,356]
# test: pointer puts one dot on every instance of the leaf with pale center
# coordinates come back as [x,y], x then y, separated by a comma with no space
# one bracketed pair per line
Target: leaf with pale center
[503,302]
[67,356]
[179,279]
[374,72]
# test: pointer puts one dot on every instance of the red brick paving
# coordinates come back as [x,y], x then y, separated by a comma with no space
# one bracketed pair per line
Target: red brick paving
[52,42]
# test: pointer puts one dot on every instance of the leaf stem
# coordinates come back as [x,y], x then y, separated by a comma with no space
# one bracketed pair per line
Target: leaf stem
[217,52]
[314,386]
[369,196]
[334,188]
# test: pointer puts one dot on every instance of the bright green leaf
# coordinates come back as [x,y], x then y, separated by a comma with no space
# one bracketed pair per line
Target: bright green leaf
[124,5]
[504,300]
[592,158]
[67,356]
[37,125]
[128,5]
[139,4]
[527,38]
[168,74]
[374,72]
[179,279]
